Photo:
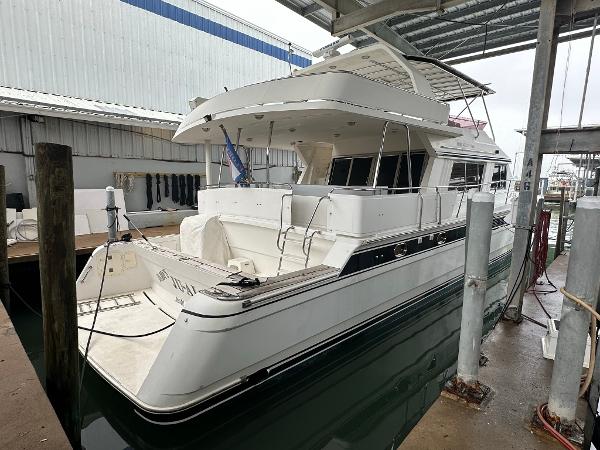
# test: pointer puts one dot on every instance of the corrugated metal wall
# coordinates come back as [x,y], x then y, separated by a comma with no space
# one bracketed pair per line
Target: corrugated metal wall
[146,53]
[117,141]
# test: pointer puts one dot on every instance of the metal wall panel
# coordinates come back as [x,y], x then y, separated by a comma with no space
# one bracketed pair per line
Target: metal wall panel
[114,51]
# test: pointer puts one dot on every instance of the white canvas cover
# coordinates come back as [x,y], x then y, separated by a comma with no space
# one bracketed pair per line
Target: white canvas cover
[204,236]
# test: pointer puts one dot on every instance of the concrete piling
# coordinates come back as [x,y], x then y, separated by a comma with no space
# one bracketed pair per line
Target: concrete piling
[56,235]
[583,281]
[111,214]
[475,285]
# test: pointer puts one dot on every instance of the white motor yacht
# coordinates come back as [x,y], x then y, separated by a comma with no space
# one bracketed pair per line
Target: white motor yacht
[267,276]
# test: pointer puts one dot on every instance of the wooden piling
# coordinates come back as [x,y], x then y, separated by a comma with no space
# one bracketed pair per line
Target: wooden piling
[56,235]
[4,280]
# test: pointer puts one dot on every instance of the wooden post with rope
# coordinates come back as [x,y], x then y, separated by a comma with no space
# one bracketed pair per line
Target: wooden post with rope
[4,280]
[56,235]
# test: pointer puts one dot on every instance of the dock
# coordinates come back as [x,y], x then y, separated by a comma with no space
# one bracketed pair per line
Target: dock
[28,419]
[84,245]
[519,377]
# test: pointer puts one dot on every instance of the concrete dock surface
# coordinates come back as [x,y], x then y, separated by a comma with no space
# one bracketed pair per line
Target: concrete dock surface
[27,420]
[519,377]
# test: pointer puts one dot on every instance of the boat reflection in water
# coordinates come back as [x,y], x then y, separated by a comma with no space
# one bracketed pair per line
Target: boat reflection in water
[368,393]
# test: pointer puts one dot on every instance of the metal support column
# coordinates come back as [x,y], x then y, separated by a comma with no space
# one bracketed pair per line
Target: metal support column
[583,281]
[538,111]
[208,162]
[475,286]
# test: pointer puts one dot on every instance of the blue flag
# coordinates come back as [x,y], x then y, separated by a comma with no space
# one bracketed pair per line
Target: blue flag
[238,171]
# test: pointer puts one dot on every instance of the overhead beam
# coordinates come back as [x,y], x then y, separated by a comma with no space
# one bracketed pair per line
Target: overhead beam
[516,48]
[383,10]
[378,31]
[313,7]
[572,141]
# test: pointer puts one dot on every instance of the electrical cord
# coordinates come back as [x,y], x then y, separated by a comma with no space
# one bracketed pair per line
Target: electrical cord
[87,346]
[106,333]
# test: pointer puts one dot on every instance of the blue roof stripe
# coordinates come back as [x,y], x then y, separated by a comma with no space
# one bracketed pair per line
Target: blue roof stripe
[192,20]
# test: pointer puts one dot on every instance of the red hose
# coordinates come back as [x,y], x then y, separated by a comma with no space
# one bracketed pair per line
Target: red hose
[541,410]
[540,251]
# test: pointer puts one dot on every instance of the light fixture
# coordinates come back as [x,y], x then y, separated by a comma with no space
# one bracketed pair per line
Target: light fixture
[351,124]
[336,135]
[249,139]
[258,116]
[365,57]
[333,67]
[205,129]
[291,130]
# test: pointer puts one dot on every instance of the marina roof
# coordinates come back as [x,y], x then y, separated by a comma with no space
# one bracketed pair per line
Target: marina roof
[450,30]
[33,102]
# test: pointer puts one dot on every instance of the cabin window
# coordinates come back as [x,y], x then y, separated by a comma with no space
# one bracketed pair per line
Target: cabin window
[465,174]
[499,176]
[340,167]
[393,172]
[359,171]
[417,163]
[350,171]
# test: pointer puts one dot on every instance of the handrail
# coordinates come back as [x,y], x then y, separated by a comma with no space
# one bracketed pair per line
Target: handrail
[281,220]
[420,203]
[312,218]
[438,206]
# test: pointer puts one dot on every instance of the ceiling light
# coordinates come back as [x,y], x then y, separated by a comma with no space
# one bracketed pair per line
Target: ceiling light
[205,129]
[259,116]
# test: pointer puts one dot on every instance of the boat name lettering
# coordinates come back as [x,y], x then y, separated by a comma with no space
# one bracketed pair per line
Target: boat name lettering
[177,283]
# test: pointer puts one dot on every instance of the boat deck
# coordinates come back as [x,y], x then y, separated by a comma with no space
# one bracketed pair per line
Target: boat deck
[520,378]
[84,244]
[127,360]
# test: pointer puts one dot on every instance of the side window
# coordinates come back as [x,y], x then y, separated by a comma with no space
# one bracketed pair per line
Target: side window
[359,171]
[340,167]
[350,171]
[417,163]
[499,176]
[465,174]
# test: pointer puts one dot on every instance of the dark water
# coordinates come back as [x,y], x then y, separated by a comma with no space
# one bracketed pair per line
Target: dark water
[367,393]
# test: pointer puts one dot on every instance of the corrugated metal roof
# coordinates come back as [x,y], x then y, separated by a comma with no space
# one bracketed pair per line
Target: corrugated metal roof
[32,102]
[472,27]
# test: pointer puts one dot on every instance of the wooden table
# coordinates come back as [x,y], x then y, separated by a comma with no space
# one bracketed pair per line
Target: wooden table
[84,244]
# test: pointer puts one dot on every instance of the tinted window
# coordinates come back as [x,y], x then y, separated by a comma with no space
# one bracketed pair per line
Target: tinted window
[359,171]
[499,176]
[387,171]
[466,173]
[417,161]
[339,171]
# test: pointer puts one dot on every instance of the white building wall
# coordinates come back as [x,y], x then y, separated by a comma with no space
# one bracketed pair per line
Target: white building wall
[134,52]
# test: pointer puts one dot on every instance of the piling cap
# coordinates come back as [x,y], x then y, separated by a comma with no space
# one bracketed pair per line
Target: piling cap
[588,203]
[483,197]
[109,188]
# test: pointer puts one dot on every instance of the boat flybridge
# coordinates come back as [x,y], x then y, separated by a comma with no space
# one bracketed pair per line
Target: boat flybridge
[269,275]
